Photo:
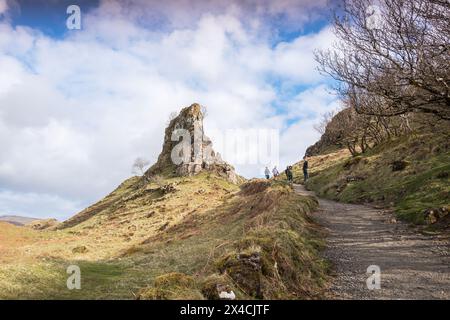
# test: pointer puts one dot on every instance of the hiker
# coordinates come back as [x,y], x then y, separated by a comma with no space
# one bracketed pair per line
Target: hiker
[288,172]
[305,169]
[267,173]
[275,172]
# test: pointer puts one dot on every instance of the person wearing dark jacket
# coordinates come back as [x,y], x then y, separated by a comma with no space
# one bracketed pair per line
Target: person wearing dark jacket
[288,173]
[305,169]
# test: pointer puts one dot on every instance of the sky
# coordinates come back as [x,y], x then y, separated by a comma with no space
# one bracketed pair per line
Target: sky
[77,106]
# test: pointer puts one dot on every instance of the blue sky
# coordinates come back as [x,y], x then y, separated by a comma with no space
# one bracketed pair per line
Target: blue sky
[46,16]
[78,106]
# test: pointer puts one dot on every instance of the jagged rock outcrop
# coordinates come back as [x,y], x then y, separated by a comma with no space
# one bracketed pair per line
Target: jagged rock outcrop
[187,150]
[331,140]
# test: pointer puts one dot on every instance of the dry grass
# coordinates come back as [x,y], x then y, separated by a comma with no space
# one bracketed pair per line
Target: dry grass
[145,232]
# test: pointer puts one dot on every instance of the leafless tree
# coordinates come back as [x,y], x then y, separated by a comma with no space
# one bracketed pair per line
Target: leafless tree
[398,65]
[346,130]
[139,166]
[361,132]
[323,122]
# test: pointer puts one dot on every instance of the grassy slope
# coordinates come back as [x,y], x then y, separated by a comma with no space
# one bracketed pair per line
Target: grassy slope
[206,231]
[423,184]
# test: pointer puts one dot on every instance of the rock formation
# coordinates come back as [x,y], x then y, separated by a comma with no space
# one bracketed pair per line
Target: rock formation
[187,150]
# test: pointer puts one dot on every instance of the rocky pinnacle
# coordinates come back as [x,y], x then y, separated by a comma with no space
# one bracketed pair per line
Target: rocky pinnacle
[187,150]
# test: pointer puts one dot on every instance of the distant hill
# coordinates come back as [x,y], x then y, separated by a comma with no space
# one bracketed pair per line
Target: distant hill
[17,220]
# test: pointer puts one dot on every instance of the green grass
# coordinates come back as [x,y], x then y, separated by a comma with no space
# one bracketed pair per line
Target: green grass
[423,184]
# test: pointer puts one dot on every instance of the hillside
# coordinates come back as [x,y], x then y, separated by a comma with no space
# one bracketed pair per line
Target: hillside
[191,230]
[408,174]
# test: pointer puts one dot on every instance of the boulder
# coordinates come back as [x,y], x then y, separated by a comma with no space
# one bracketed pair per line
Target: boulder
[435,214]
[43,224]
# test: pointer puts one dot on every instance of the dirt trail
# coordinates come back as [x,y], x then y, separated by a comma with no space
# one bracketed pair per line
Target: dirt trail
[413,266]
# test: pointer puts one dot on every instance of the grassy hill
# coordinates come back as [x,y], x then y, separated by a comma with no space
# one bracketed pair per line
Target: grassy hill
[178,237]
[408,174]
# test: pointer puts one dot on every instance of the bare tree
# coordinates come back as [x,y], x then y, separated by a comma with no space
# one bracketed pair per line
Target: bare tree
[398,65]
[326,117]
[139,166]
[361,132]
[345,128]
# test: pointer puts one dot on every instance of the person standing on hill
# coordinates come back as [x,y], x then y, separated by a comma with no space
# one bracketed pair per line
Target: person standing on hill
[275,172]
[288,173]
[305,169]
[267,173]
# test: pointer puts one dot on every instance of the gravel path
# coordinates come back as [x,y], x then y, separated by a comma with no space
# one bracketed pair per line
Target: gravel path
[413,266]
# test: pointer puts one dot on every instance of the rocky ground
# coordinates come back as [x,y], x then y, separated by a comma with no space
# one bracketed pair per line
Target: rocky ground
[413,266]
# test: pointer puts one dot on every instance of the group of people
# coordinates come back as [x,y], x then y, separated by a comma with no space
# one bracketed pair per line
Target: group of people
[288,171]
[274,172]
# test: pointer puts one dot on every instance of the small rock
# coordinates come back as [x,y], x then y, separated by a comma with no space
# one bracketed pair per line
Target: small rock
[150,214]
[434,214]
[80,249]
[227,295]
[168,188]
[164,226]
[354,178]
[201,191]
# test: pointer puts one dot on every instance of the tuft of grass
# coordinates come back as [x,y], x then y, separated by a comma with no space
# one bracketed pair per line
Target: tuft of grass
[172,286]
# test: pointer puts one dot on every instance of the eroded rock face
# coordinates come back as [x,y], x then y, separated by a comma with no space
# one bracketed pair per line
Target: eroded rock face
[188,149]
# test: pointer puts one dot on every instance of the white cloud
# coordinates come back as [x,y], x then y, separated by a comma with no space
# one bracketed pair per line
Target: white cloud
[295,60]
[75,112]
[295,140]
[36,205]
[312,102]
